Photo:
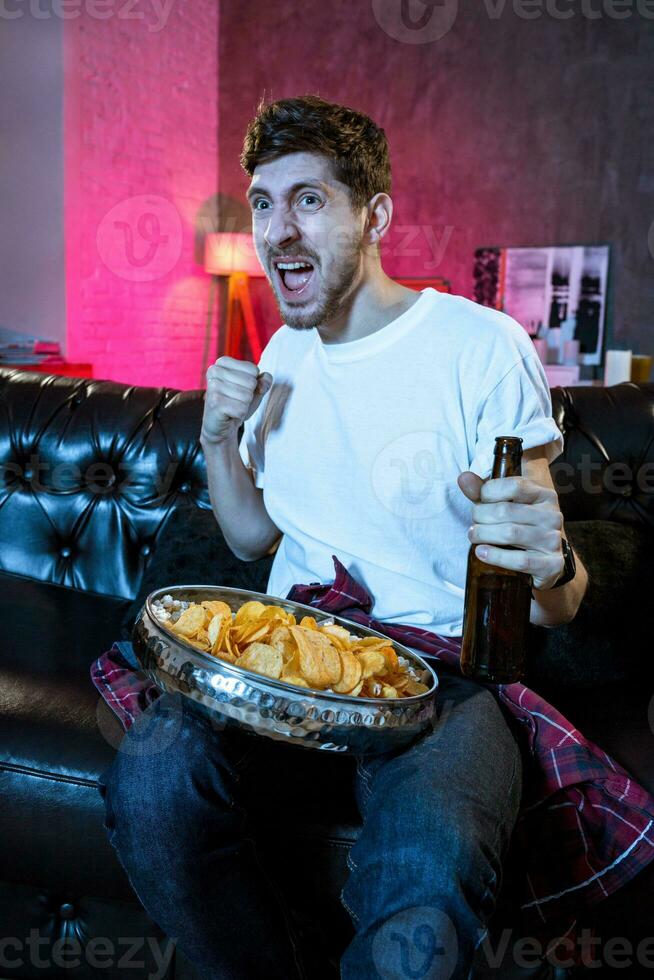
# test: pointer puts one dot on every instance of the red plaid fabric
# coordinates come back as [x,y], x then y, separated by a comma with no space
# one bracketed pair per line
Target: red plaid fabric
[585,827]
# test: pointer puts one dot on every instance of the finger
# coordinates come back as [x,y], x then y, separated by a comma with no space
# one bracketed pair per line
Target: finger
[234,364]
[531,562]
[517,536]
[518,489]
[232,408]
[234,373]
[264,383]
[239,383]
[470,484]
[506,512]
[238,392]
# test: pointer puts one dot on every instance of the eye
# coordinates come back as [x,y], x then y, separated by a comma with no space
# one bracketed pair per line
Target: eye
[312,200]
[257,202]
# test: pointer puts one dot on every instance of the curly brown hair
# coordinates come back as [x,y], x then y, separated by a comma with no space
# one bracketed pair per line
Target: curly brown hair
[355,144]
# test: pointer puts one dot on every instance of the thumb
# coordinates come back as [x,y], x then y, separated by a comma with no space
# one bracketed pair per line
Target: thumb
[470,484]
[264,383]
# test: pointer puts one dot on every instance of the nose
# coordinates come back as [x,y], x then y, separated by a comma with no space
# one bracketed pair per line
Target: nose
[280,229]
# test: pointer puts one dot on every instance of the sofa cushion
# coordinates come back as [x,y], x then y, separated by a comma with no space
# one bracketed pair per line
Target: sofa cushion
[191,549]
[56,736]
[604,643]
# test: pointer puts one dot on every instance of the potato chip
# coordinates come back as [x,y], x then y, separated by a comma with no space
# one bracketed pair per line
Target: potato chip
[249,611]
[284,641]
[351,673]
[274,612]
[216,607]
[216,630]
[414,687]
[191,620]
[390,656]
[294,679]
[230,643]
[308,623]
[372,662]
[262,659]
[319,661]
[338,635]
[249,632]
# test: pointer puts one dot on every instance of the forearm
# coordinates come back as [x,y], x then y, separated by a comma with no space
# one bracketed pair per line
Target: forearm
[237,503]
[553,607]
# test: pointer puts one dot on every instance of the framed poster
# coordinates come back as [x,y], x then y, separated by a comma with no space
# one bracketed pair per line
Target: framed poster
[557,286]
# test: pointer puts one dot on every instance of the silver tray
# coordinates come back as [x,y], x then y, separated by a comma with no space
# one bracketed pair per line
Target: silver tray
[231,695]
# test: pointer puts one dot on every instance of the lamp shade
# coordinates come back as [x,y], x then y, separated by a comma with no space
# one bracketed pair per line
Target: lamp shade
[226,252]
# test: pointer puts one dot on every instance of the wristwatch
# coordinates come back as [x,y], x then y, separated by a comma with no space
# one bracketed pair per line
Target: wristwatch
[569,568]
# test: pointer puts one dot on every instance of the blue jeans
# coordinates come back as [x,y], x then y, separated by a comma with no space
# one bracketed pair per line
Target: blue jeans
[424,872]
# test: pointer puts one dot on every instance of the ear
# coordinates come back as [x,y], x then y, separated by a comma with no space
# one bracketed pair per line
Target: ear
[378,220]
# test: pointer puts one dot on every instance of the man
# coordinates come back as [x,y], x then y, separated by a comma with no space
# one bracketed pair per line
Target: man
[369,431]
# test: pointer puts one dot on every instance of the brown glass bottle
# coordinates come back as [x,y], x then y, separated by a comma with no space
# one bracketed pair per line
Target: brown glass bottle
[497,601]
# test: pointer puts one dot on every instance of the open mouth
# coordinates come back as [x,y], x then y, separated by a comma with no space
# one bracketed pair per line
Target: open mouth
[296,277]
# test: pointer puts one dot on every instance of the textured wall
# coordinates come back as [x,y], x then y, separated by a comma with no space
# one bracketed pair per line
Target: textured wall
[31,177]
[141,179]
[504,130]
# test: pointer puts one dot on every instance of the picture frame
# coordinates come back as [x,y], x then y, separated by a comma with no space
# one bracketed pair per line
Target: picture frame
[544,287]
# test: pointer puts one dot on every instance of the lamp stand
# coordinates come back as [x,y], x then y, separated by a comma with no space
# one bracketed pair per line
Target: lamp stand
[240,315]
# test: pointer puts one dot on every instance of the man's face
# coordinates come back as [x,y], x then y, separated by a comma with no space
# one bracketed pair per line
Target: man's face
[302,214]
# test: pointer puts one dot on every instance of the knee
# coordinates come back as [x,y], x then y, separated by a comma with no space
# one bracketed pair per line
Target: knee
[167,779]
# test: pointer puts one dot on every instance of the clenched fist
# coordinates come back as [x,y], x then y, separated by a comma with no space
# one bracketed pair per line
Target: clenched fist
[234,390]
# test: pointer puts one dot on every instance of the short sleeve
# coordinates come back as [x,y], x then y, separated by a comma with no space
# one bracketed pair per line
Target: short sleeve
[252,444]
[519,405]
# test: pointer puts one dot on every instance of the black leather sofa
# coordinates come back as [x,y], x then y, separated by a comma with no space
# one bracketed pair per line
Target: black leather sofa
[97,479]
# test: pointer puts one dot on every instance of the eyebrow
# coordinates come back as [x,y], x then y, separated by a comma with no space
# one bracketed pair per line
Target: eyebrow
[318,185]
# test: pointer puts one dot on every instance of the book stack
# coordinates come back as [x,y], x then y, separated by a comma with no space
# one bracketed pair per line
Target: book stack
[19,348]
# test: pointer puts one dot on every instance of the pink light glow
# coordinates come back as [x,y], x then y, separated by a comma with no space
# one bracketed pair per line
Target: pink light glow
[141,174]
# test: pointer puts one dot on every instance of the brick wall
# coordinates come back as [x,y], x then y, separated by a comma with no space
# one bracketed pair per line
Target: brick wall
[141,175]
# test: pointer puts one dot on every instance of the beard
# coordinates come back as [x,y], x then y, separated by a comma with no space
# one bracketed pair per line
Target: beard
[333,293]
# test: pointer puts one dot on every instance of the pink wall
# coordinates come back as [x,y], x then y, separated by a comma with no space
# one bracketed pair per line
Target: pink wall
[141,175]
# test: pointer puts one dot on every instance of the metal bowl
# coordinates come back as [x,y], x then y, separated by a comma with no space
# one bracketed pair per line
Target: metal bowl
[231,695]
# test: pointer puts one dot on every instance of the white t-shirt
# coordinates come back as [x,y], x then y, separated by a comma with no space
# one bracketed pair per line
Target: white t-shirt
[358,445]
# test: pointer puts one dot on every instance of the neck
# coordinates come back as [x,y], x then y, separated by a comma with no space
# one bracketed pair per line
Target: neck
[370,305]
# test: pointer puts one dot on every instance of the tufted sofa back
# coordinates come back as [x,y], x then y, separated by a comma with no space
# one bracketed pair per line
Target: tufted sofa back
[606,471]
[90,470]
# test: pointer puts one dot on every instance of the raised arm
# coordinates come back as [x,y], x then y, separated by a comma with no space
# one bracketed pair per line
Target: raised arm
[234,391]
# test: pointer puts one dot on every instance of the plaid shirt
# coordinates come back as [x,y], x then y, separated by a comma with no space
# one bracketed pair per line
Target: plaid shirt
[585,827]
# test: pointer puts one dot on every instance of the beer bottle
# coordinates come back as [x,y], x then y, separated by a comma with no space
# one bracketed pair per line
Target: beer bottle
[497,601]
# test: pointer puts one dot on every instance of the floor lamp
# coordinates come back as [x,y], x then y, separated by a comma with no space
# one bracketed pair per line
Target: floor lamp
[231,255]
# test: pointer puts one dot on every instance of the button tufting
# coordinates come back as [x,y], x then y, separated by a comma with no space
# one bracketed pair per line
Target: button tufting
[67,910]
[65,552]
[28,475]
[184,487]
[145,549]
[627,491]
